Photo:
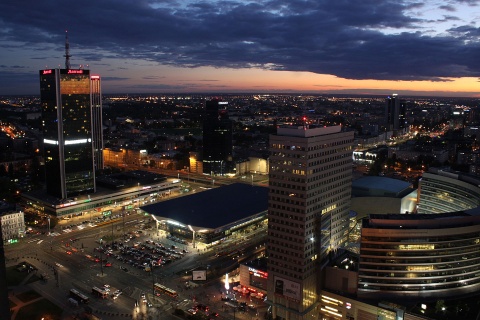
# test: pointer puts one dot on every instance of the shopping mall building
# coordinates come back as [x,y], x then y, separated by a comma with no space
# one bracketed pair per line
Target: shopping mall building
[126,191]
[212,215]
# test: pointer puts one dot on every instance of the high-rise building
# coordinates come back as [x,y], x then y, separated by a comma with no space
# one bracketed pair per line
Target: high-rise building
[217,138]
[309,202]
[97,131]
[395,113]
[66,112]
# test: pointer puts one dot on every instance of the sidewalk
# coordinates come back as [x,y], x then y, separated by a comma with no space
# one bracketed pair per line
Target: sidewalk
[16,290]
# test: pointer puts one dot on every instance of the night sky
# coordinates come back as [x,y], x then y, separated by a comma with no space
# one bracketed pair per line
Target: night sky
[187,46]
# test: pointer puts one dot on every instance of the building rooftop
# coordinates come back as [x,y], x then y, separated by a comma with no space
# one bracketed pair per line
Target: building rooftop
[129,179]
[213,208]
[106,185]
[307,131]
[259,264]
[380,187]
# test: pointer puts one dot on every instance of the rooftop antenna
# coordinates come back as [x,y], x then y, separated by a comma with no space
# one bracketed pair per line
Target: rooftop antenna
[67,51]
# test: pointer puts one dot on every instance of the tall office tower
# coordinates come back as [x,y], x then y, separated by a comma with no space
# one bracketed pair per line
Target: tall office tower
[97,131]
[395,113]
[310,182]
[66,113]
[217,138]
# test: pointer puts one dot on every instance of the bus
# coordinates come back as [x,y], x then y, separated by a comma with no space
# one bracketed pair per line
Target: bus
[160,288]
[80,297]
[100,293]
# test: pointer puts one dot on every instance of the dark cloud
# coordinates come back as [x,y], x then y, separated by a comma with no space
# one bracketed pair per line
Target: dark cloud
[345,38]
[153,77]
[449,8]
[114,79]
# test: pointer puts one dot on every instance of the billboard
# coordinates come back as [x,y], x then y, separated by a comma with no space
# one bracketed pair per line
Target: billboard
[199,275]
[287,288]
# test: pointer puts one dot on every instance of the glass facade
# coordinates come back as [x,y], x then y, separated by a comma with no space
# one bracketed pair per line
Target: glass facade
[66,113]
[97,131]
[441,193]
[419,255]
[217,138]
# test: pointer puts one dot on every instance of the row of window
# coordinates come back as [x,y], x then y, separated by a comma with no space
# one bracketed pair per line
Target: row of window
[419,287]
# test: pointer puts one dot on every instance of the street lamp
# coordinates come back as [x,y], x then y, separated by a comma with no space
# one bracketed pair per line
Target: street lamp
[227,284]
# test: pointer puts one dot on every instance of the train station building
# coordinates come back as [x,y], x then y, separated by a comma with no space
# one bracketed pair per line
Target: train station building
[126,191]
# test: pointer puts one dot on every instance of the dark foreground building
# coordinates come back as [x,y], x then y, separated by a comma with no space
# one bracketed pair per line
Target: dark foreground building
[217,138]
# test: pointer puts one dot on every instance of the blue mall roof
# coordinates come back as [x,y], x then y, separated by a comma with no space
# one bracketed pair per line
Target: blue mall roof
[213,208]
[380,186]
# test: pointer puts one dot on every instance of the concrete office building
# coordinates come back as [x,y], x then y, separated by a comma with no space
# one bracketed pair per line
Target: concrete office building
[13,225]
[310,181]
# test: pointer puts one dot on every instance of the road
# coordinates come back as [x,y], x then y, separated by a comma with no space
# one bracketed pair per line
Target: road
[49,255]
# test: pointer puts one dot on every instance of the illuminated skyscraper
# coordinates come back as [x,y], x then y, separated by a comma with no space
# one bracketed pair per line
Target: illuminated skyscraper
[97,131]
[217,138]
[310,182]
[66,112]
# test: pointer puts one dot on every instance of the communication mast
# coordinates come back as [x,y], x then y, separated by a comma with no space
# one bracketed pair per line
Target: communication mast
[67,51]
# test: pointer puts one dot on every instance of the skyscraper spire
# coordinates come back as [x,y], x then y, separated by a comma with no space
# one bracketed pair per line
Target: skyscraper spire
[67,51]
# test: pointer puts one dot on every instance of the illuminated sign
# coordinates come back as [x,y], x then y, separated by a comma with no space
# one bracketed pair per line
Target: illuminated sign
[48,141]
[258,273]
[70,71]
[67,142]
[222,102]
[147,187]
[78,141]
[330,208]
[68,204]
[199,275]
[287,288]
[47,71]
[95,77]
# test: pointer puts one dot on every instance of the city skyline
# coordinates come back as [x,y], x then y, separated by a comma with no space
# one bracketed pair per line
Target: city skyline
[351,47]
